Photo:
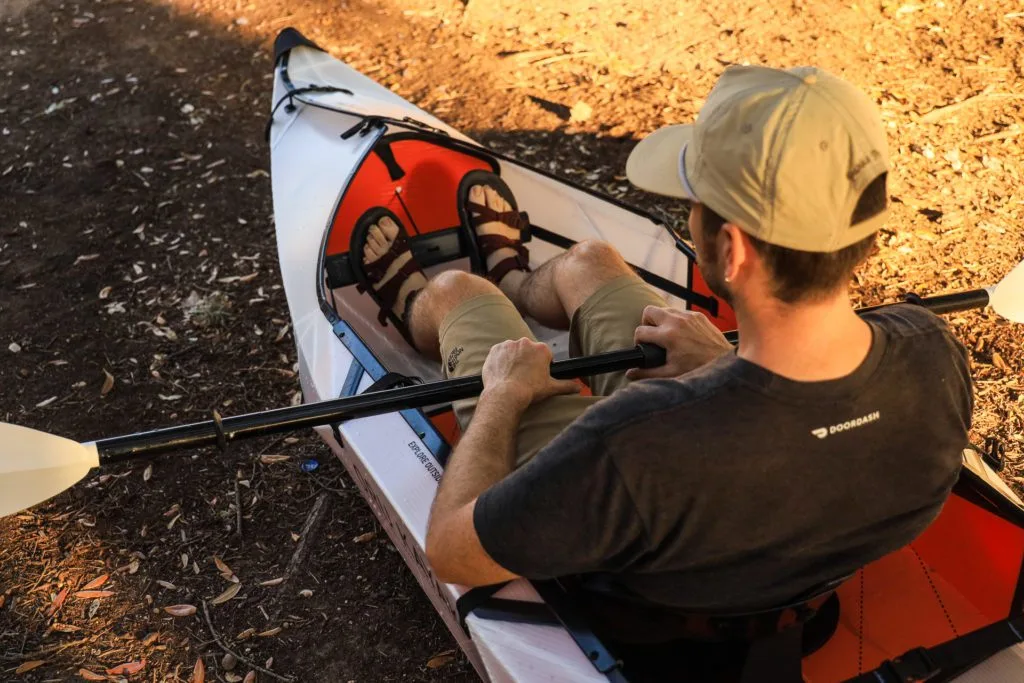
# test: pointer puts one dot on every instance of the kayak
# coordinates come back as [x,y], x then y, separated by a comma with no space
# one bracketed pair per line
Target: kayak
[342,144]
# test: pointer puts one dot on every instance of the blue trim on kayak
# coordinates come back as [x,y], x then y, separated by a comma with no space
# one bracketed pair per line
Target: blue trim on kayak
[355,374]
[362,356]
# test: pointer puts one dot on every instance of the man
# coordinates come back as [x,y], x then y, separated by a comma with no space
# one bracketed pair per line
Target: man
[740,479]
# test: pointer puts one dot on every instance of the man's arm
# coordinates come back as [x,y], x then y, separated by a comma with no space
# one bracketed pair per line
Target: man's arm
[515,375]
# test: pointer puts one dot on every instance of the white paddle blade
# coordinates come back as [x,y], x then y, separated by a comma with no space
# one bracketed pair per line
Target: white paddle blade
[35,466]
[1007,298]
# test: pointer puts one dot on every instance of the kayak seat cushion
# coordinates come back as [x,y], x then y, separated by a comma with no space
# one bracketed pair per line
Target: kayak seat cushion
[417,180]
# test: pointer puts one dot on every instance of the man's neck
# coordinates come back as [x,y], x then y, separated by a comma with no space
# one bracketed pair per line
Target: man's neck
[807,342]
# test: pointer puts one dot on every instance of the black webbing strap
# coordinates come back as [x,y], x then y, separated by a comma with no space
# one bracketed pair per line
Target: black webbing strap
[558,600]
[950,658]
[474,598]
[481,602]
[392,380]
[557,609]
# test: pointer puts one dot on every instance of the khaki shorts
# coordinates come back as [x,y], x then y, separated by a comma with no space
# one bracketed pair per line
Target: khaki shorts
[606,321]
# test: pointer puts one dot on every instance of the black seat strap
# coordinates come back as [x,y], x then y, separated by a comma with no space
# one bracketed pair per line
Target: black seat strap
[776,658]
[952,657]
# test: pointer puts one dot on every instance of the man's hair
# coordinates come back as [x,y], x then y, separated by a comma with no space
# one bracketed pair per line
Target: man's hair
[807,275]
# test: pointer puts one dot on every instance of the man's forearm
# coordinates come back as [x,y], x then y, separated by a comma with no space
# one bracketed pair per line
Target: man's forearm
[484,455]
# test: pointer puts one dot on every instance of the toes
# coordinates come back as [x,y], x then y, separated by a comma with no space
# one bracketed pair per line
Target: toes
[495,200]
[375,245]
[476,195]
[389,228]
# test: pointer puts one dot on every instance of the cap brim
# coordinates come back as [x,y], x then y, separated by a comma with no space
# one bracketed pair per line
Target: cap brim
[654,164]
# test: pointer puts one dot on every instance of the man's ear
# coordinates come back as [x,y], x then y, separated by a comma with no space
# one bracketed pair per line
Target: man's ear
[733,251]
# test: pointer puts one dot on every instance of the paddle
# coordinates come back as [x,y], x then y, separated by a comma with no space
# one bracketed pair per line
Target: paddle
[35,465]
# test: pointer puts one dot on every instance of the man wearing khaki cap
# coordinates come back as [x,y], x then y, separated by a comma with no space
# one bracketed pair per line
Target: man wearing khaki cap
[734,479]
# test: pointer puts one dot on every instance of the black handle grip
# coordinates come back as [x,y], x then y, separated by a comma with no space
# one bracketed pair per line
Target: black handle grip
[653,355]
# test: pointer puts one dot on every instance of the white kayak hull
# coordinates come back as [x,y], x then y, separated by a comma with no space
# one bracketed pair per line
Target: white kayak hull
[319,138]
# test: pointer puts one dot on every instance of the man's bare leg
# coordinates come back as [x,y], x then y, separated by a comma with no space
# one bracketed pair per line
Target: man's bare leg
[552,293]
[443,294]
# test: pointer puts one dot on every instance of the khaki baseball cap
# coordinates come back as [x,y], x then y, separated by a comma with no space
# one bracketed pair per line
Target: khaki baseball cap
[784,154]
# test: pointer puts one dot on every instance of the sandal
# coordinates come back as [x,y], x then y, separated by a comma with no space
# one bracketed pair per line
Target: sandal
[474,215]
[369,275]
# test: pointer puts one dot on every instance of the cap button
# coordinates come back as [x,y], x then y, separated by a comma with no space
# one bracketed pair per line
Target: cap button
[810,79]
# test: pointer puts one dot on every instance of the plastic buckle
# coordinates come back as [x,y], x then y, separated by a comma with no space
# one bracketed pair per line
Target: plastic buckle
[916,666]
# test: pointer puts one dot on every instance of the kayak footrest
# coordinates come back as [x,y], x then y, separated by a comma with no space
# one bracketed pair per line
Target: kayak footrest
[432,249]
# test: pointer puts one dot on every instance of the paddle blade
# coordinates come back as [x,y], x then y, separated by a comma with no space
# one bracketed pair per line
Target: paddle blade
[35,466]
[1007,298]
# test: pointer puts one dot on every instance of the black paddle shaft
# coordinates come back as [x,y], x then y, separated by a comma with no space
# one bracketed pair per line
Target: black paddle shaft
[219,431]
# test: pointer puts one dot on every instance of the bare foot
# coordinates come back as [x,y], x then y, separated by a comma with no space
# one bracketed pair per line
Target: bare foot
[379,239]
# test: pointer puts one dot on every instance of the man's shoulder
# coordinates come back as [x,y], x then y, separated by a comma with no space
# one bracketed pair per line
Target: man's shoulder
[907,320]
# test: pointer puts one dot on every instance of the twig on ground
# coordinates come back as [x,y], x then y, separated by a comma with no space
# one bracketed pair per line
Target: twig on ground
[307,538]
[238,509]
[243,660]
[49,649]
[940,113]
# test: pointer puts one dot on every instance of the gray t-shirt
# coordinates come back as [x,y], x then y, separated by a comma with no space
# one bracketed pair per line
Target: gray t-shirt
[734,488]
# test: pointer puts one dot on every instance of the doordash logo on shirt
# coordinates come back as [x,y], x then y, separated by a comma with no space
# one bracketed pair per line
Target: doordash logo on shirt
[822,432]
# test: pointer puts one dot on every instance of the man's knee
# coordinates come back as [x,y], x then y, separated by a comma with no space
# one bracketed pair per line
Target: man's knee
[595,253]
[595,256]
[458,284]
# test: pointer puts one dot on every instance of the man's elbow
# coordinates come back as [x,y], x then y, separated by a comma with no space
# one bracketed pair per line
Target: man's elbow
[438,556]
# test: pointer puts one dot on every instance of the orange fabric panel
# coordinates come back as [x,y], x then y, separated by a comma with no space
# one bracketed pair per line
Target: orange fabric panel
[905,605]
[432,176]
[978,552]
[447,426]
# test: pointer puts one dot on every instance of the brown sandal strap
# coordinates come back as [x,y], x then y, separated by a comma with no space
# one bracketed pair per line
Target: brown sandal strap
[388,292]
[506,266]
[485,214]
[376,270]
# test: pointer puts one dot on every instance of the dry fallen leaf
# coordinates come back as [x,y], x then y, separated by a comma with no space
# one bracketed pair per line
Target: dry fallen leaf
[439,660]
[198,672]
[250,677]
[96,583]
[272,582]
[270,632]
[232,678]
[147,473]
[90,676]
[222,566]
[246,634]
[90,595]
[105,292]
[127,669]
[108,383]
[363,538]
[184,560]
[180,610]
[150,638]
[231,592]
[305,593]
[274,459]
[28,666]
[167,584]
[57,602]
[64,628]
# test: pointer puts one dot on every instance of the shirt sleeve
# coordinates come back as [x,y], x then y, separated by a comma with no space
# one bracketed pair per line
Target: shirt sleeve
[567,511]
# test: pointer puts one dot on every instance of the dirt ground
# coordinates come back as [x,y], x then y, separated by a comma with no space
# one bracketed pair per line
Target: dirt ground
[139,284]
